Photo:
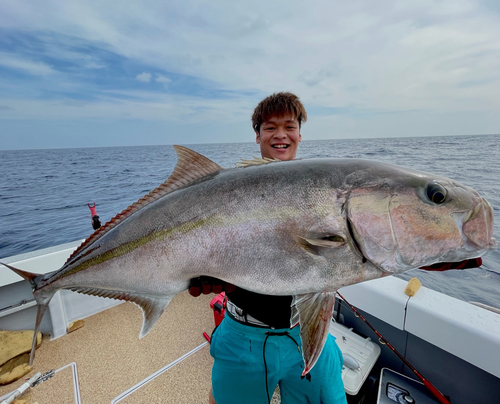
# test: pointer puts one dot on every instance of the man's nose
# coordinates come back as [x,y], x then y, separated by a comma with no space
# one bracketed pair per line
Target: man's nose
[280,132]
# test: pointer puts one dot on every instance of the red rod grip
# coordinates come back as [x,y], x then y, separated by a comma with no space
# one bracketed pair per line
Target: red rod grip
[442,399]
[92,210]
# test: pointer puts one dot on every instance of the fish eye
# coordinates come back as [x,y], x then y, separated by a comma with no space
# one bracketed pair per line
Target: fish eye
[334,238]
[436,193]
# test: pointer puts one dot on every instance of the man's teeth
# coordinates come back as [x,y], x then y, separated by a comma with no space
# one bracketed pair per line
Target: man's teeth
[280,146]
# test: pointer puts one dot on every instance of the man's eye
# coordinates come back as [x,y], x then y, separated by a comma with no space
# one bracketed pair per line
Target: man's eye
[291,127]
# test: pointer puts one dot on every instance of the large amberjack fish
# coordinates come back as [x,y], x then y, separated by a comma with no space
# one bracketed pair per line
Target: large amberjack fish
[303,228]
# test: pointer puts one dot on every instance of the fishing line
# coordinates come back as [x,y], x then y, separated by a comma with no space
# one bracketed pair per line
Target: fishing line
[442,399]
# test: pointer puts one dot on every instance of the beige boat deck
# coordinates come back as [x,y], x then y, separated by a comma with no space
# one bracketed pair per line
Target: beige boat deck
[110,358]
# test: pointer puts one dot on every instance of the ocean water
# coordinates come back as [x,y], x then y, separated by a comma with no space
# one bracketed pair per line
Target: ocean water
[44,193]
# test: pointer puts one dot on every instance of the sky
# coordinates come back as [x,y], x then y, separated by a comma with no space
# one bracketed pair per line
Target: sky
[92,73]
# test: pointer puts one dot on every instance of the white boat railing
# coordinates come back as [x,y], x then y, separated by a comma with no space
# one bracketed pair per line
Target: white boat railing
[441,320]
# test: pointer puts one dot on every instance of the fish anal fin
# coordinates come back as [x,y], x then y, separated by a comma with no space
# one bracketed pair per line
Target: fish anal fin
[152,309]
[152,306]
[190,167]
[314,312]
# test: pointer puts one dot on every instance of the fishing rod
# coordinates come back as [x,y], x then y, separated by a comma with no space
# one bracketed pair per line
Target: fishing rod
[442,399]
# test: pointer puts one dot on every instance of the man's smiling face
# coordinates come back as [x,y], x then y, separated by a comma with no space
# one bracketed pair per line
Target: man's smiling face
[279,137]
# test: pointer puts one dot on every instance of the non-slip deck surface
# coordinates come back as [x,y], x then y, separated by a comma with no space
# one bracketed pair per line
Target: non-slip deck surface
[110,357]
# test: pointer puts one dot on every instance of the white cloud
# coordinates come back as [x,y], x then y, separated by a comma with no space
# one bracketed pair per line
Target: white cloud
[136,105]
[163,79]
[35,68]
[419,55]
[145,77]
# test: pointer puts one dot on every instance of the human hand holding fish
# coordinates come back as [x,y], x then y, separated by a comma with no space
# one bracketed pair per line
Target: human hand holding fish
[206,285]
[304,228]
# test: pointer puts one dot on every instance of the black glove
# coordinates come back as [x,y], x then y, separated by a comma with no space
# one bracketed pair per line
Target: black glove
[472,263]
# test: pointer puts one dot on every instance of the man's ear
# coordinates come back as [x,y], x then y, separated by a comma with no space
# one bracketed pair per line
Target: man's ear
[257,137]
[300,137]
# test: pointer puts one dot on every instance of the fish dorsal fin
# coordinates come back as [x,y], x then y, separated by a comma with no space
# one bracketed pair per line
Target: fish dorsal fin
[257,161]
[190,167]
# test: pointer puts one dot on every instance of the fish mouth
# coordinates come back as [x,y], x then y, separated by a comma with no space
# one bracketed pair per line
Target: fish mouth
[477,227]
[355,244]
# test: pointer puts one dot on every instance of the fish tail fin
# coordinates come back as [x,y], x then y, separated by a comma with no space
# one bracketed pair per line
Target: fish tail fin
[29,276]
[42,300]
[39,315]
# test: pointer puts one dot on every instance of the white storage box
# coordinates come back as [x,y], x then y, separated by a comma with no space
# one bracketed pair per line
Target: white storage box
[363,350]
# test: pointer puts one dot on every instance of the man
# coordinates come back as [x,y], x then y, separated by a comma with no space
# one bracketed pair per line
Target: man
[254,348]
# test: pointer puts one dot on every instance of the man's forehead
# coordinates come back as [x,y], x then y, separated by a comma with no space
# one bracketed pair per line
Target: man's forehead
[282,118]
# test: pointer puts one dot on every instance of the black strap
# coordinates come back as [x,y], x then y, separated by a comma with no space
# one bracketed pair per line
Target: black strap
[276,334]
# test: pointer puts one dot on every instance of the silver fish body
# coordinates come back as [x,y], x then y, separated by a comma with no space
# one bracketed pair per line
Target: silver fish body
[303,228]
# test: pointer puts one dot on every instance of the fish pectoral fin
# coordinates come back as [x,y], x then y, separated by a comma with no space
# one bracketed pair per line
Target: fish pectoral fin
[314,245]
[152,307]
[314,312]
